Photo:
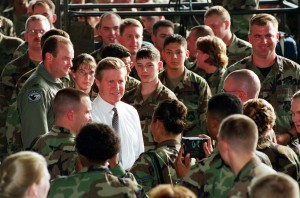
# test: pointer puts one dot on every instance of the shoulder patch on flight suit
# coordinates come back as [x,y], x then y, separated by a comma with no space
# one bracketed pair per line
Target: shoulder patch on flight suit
[34,96]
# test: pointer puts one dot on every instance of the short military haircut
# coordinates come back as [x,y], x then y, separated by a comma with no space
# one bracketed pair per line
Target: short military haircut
[115,50]
[262,20]
[296,95]
[53,32]
[240,132]
[67,99]
[130,22]
[176,38]
[202,30]
[107,14]
[52,44]
[83,59]
[219,11]
[97,142]
[172,113]
[109,63]
[222,105]
[36,17]
[247,81]
[148,52]
[48,3]
[162,23]
[277,185]
[215,48]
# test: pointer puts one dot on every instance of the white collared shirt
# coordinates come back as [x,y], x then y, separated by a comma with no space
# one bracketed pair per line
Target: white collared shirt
[132,144]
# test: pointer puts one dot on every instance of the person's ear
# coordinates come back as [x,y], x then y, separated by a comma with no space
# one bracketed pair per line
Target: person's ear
[49,56]
[160,65]
[187,54]
[70,115]
[32,191]
[227,24]
[54,18]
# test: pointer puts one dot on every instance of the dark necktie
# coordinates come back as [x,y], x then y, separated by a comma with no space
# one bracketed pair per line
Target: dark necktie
[115,120]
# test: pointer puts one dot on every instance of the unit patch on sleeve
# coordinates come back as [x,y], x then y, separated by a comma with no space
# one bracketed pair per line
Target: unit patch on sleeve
[34,96]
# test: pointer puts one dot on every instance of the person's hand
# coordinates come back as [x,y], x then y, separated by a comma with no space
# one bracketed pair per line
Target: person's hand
[182,164]
[207,146]
[113,161]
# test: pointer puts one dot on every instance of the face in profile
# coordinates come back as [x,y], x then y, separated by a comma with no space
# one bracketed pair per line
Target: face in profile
[62,62]
[295,108]
[112,85]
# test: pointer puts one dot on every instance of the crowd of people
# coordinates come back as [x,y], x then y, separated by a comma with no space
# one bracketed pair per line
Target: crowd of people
[109,122]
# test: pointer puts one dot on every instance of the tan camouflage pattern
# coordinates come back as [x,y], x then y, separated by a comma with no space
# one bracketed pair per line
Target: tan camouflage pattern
[237,50]
[7,27]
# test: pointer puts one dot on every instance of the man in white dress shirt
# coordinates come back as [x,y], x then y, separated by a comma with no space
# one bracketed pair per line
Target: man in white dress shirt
[110,80]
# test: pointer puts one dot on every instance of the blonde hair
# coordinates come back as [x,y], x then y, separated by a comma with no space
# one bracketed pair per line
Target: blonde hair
[169,191]
[19,171]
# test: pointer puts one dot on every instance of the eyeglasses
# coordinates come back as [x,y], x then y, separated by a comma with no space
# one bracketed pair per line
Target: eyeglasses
[35,31]
[83,73]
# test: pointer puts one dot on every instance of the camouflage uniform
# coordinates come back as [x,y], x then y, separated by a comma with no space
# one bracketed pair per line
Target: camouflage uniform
[254,168]
[277,87]
[20,50]
[146,107]
[147,174]
[211,177]
[7,47]
[18,21]
[239,23]
[283,158]
[58,147]
[213,79]
[97,54]
[34,104]
[7,27]
[10,74]
[131,83]
[237,50]
[194,92]
[94,182]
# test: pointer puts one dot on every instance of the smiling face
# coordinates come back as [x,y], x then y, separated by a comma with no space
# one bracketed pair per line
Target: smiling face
[110,29]
[132,38]
[264,40]
[295,108]
[62,62]
[174,55]
[112,85]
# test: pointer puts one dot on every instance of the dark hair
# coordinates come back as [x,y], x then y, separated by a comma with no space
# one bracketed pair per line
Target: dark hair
[202,30]
[115,50]
[51,45]
[83,58]
[172,113]
[176,38]
[97,142]
[162,23]
[223,105]
[67,98]
[149,52]
[53,32]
